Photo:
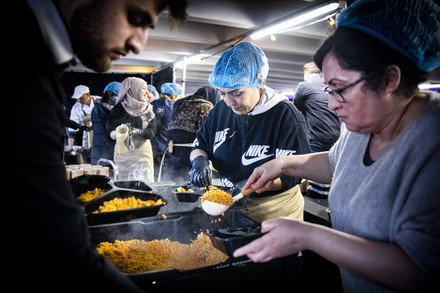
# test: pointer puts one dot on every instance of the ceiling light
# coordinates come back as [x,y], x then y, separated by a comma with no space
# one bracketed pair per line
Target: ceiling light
[426,86]
[294,20]
[197,58]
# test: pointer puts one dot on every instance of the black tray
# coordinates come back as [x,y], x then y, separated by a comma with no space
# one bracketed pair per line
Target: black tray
[121,215]
[229,239]
[193,196]
[133,184]
[184,227]
[84,183]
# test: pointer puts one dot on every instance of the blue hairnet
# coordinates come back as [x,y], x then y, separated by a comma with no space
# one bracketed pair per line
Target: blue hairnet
[410,27]
[171,88]
[113,87]
[153,90]
[244,65]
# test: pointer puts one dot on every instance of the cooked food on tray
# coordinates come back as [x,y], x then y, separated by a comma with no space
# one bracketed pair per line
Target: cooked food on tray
[90,194]
[191,188]
[130,202]
[183,189]
[135,256]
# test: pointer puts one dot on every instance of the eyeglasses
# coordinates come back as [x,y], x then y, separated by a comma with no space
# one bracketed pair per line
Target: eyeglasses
[337,93]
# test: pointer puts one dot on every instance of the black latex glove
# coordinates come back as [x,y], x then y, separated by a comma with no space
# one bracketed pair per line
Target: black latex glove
[84,128]
[200,172]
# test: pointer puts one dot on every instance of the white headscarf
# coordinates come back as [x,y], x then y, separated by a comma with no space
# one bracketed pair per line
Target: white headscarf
[130,96]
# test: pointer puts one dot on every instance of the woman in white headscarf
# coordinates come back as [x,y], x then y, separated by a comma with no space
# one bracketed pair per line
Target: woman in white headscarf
[132,124]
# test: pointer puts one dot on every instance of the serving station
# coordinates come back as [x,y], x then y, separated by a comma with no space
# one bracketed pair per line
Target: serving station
[181,219]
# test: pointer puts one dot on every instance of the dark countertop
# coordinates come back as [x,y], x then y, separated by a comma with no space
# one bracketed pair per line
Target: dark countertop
[316,210]
[166,190]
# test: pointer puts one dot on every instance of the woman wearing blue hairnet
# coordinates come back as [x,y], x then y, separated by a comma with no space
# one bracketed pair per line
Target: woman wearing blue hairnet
[384,199]
[103,145]
[251,125]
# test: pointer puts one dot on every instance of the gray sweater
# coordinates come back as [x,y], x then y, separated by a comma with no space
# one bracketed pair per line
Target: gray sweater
[396,199]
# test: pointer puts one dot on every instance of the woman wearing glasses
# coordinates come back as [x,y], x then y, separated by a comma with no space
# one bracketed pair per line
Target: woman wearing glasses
[384,198]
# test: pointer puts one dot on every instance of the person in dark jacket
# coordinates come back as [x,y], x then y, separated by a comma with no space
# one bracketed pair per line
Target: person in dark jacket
[103,145]
[51,244]
[323,125]
[163,108]
[189,114]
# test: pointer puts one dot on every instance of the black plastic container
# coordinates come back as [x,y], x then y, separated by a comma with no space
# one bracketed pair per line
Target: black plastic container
[193,196]
[133,184]
[84,183]
[184,227]
[229,239]
[121,215]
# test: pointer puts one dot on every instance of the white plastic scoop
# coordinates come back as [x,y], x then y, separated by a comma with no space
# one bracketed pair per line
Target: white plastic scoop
[216,209]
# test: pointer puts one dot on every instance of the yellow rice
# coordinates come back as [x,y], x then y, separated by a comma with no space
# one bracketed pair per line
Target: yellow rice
[134,256]
[90,194]
[218,196]
[131,202]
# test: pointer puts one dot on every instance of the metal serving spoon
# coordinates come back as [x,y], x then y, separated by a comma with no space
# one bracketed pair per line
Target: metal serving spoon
[216,209]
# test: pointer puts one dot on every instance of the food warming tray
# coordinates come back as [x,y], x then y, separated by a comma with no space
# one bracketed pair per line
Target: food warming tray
[184,227]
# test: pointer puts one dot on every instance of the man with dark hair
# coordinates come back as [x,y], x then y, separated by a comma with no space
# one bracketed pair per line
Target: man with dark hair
[54,246]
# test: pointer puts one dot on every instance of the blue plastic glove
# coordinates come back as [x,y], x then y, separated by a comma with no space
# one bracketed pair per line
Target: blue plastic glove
[200,172]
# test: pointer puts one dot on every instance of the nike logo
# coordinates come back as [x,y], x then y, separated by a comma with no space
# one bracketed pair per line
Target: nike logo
[257,152]
[247,162]
[220,138]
